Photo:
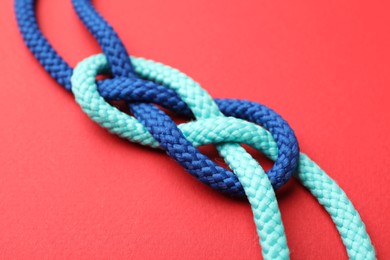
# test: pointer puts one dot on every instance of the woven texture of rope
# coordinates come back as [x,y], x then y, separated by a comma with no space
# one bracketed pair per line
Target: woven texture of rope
[327,192]
[207,171]
[258,190]
[203,131]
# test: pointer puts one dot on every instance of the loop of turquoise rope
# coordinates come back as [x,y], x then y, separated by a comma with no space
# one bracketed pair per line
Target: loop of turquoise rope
[255,182]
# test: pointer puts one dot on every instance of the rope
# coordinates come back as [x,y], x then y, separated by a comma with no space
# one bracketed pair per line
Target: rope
[155,128]
[327,192]
[257,187]
[136,89]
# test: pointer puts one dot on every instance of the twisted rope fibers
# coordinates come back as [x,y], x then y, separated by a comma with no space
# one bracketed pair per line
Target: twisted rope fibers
[310,175]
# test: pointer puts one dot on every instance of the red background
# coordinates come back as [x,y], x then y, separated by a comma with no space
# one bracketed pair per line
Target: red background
[68,189]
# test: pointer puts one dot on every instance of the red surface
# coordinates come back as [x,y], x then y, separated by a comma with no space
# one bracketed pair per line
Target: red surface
[68,189]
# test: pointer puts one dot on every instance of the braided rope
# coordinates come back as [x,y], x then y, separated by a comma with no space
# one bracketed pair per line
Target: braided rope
[38,44]
[327,192]
[334,200]
[212,178]
[206,170]
[258,190]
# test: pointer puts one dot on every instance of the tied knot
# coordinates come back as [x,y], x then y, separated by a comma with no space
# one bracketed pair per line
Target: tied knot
[222,127]
[226,123]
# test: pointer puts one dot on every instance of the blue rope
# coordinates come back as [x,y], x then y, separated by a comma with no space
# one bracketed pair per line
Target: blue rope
[126,85]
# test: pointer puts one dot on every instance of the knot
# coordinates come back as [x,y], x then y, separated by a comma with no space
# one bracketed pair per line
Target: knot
[181,94]
[257,187]
[155,129]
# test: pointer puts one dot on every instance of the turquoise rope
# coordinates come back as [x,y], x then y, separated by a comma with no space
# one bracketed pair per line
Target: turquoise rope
[212,127]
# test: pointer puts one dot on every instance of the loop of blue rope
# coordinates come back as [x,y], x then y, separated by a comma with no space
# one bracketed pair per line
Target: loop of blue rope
[126,85]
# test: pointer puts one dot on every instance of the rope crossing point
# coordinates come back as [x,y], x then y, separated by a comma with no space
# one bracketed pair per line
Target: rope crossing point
[140,82]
